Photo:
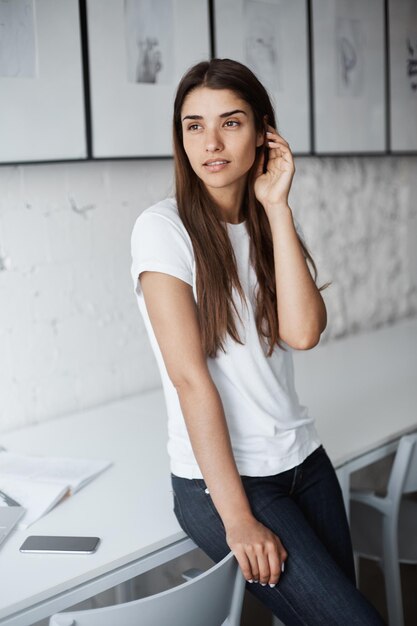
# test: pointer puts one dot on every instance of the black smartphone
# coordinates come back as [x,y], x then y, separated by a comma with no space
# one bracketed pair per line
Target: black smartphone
[61,545]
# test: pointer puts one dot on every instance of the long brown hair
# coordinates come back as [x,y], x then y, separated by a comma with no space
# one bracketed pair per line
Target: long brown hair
[216,271]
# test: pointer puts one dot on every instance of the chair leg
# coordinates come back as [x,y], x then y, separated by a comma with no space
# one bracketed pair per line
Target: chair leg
[357,561]
[393,592]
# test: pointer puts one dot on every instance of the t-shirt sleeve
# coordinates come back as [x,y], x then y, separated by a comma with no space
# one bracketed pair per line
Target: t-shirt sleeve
[158,244]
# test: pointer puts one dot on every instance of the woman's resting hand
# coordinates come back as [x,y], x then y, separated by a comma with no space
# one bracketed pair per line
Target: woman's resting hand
[258,550]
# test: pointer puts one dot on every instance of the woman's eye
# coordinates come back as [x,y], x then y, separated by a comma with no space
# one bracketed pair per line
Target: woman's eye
[194,126]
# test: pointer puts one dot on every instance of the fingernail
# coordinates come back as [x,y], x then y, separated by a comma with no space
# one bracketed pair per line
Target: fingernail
[250,580]
[256,581]
[272,584]
[263,584]
[282,566]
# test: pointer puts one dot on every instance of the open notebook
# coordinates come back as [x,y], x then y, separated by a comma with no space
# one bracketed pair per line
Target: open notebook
[38,483]
[10,514]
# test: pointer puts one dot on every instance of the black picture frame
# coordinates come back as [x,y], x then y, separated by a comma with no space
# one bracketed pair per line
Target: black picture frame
[349,78]
[42,112]
[137,53]
[402,46]
[272,39]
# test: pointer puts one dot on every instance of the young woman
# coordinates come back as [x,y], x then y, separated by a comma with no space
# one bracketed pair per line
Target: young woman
[221,276]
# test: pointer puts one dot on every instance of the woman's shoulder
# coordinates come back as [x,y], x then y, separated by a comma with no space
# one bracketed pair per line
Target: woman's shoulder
[161,220]
[166,208]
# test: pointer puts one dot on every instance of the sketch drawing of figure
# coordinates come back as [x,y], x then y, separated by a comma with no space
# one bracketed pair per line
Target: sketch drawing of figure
[410,20]
[263,46]
[149,61]
[17,39]
[349,57]
[149,32]
[412,62]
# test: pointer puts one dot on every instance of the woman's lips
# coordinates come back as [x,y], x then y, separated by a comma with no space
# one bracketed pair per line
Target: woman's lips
[216,168]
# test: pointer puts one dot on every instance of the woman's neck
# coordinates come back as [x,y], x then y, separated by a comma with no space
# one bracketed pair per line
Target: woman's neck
[230,205]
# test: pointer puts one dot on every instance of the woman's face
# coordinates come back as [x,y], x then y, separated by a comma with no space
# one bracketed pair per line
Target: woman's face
[221,129]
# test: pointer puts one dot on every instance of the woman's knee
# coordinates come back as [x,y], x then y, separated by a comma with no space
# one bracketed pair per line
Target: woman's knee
[296,603]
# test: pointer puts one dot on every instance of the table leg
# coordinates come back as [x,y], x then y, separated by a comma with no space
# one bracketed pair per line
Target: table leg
[125,592]
[343,474]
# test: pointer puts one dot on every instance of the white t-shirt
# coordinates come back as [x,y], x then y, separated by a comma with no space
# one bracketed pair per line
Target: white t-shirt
[270,430]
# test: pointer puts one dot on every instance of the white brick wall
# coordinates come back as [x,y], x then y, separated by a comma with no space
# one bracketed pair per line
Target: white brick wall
[360,220]
[71,335]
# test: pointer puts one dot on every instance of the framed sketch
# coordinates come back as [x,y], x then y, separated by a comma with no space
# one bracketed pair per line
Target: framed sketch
[271,38]
[349,76]
[138,52]
[403,75]
[42,116]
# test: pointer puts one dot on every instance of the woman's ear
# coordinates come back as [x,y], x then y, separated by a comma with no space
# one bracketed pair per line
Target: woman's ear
[260,138]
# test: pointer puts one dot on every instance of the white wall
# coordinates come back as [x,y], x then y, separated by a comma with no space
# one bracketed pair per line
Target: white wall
[71,335]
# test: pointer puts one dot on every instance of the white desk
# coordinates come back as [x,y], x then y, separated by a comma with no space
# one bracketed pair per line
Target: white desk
[130,505]
[362,390]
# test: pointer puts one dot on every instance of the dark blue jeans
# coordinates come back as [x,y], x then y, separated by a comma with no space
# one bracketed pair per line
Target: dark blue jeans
[304,507]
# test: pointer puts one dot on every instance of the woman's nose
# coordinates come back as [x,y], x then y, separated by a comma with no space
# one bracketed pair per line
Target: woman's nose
[213,141]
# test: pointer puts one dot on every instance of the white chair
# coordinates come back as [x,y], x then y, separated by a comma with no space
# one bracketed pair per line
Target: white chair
[384,529]
[213,598]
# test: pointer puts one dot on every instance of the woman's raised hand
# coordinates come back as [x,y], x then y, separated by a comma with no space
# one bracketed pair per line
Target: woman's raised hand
[257,549]
[272,187]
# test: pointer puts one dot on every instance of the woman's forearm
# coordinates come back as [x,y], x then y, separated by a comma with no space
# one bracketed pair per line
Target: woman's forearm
[209,435]
[301,309]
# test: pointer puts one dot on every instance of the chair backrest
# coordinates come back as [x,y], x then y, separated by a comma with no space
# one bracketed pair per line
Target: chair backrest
[403,476]
[207,600]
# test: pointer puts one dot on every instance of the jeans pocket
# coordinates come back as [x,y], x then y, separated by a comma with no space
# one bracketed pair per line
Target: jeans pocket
[204,492]
[176,496]
[178,514]
[201,484]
